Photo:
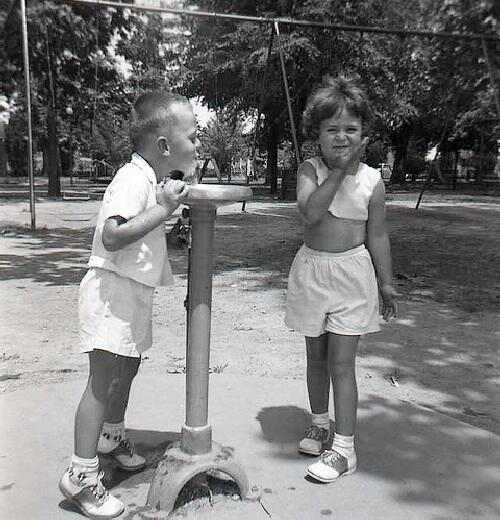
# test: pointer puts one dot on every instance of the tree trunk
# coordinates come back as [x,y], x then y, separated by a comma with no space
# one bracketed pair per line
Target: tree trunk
[272,158]
[53,166]
[497,165]
[455,169]
[400,142]
[3,152]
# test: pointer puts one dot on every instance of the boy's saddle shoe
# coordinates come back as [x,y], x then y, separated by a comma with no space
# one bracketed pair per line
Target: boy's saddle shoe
[121,450]
[88,493]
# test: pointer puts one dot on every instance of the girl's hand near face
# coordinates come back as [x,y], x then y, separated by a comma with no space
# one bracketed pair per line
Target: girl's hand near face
[356,154]
[360,149]
[342,165]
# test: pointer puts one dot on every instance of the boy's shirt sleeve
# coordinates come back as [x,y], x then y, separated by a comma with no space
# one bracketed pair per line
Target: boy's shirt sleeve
[127,195]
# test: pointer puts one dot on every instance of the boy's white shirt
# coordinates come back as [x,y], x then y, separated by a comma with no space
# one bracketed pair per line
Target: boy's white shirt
[131,192]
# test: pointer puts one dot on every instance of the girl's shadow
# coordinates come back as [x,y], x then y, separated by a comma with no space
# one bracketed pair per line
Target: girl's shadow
[284,424]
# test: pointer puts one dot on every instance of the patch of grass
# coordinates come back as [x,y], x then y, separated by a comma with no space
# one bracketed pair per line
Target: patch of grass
[218,369]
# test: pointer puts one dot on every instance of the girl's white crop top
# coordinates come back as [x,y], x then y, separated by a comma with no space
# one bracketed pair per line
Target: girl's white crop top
[353,195]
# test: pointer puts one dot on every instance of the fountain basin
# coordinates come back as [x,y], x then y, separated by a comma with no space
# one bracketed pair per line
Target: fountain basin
[214,195]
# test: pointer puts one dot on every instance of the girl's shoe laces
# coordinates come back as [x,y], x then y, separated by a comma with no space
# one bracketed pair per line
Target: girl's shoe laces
[333,458]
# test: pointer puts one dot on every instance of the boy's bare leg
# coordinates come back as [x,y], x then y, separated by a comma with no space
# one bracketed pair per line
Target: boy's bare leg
[82,483]
[318,379]
[119,391]
[113,440]
[92,408]
[342,366]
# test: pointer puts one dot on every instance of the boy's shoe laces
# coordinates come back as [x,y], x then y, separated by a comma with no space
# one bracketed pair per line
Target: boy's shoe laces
[97,488]
[125,446]
[125,457]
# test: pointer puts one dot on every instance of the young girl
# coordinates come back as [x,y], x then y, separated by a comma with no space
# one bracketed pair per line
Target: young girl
[332,293]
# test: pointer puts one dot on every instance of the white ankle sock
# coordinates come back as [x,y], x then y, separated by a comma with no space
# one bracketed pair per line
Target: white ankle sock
[322,420]
[343,444]
[85,465]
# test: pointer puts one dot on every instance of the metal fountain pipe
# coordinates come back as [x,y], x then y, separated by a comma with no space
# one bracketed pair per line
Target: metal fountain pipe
[203,199]
[196,433]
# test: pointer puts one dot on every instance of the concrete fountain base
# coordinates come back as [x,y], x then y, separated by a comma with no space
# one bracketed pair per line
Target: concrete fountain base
[177,468]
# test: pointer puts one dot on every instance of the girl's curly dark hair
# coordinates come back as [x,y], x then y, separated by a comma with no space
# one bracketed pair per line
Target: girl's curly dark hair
[331,97]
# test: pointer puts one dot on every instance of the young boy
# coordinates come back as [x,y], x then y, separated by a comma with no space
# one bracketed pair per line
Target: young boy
[128,260]
[332,295]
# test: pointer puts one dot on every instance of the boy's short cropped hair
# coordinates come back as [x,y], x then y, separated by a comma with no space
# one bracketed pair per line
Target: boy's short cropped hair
[330,98]
[151,111]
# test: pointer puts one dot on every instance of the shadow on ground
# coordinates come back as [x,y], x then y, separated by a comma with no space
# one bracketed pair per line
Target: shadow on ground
[449,254]
[428,458]
[424,457]
[446,266]
[48,256]
[152,445]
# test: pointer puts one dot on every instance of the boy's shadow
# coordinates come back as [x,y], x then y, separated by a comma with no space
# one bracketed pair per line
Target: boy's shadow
[149,444]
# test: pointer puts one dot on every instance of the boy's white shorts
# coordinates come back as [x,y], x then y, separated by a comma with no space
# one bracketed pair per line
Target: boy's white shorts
[332,292]
[115,314]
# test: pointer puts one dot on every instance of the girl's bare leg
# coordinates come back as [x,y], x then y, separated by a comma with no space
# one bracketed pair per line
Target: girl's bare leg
[318,379]
[342,366]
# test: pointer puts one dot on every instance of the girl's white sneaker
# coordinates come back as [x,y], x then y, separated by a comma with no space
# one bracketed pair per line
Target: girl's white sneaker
[332,465]
[314,441]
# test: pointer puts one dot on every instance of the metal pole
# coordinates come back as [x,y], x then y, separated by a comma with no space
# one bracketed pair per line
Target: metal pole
[259,114]
[28,108]
[262,92]
[287,93]
[290,21]
[197,433]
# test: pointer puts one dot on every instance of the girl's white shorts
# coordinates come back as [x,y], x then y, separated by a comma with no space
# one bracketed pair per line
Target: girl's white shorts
[332,292]
[115,314]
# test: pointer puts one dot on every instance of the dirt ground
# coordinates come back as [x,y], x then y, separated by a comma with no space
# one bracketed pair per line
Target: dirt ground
[442,352]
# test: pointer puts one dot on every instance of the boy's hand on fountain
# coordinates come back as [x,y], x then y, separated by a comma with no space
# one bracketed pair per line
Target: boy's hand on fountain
[170,193]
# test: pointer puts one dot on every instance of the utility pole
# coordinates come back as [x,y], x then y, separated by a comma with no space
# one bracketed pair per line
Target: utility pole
[28,108]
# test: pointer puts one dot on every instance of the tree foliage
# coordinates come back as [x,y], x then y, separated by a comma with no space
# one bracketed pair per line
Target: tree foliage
[88,63]
[223,138]
[424,89]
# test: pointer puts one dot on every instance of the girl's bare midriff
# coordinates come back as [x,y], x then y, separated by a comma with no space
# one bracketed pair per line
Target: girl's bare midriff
[334,234]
